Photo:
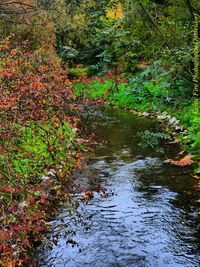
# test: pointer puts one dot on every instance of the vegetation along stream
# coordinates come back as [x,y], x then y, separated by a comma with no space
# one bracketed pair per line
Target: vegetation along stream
[143,212]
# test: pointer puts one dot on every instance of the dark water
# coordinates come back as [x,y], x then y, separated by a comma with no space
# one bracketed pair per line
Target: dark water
[148,215]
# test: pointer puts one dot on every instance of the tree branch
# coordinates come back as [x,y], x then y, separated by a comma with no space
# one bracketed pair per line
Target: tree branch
[16,3]
[155,25]
[190,8]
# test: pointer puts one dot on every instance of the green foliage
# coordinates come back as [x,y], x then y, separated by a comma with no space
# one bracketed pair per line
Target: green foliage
[191,121]
[152,140]
[150,89]
[187,116]
[194,139]
[68,53]
[95,88]
[36,135]
[77,72]
[103,34]
[156,84]
[41,147]
[146,93]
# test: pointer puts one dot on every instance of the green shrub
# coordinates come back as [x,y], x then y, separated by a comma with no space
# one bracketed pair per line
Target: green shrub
[77,72]
[152,140]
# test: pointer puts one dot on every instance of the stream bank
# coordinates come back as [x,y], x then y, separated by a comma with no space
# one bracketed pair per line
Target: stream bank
[178,118]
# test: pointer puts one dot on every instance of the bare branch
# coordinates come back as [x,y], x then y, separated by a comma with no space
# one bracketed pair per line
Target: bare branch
[154,24]
[20,9]
[7,3]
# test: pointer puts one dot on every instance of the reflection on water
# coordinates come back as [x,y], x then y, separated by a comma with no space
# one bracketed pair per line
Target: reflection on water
[149,217]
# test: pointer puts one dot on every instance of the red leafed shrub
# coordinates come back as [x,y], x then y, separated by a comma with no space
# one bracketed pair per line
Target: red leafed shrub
[31,88]
[36,134]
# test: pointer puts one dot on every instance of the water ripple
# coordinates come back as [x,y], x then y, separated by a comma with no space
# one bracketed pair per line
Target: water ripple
[141,224]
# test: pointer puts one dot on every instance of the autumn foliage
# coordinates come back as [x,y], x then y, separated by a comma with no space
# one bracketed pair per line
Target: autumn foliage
[36,136]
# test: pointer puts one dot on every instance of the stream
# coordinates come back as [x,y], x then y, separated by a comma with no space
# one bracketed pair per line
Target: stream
[143,213]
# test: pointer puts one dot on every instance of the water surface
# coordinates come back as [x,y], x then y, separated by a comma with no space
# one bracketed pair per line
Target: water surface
[145,213]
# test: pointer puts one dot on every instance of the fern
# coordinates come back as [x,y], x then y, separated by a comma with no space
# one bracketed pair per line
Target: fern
[152,140]
[68,52]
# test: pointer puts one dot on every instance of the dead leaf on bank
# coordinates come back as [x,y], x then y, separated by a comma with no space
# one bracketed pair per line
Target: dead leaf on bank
[196,177]
[186,161]
[176,141]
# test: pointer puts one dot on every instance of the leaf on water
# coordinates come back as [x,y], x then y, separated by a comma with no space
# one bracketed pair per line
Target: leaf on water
[87,196]
[186,161]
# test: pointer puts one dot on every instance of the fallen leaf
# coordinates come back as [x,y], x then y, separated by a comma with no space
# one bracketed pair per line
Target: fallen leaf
[196,177]
[87,196]
[186,161]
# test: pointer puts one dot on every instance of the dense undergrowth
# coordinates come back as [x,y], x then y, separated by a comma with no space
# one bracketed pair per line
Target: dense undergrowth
[37,135]
[142,93]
